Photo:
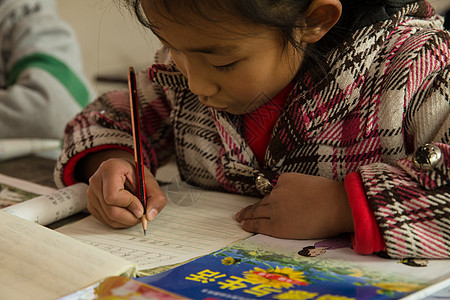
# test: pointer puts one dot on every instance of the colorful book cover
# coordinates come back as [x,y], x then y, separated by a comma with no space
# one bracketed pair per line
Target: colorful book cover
[262,267]
[117,287]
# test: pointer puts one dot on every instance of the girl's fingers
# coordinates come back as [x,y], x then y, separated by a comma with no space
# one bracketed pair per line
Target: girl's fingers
[102,217]
[258,210]
[108,197]
[156,199]
[94,197]
[120,206]
[115,195]
[111,197]
[95,208]
[258,225]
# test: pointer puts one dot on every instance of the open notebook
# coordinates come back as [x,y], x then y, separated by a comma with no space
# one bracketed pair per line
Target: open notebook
[39,263]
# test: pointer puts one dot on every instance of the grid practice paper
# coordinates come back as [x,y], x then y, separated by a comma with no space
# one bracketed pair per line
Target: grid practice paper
[193,223]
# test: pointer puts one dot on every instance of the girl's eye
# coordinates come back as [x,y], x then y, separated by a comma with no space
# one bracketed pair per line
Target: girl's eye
[227,67]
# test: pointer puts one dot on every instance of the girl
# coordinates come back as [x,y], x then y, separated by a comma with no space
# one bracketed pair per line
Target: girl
[322,108]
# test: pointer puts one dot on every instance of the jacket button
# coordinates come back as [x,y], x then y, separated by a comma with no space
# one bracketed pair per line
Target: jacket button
[263,185]
[427,157]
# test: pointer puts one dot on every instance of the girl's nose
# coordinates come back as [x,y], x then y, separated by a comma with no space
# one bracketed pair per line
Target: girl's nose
[201,84]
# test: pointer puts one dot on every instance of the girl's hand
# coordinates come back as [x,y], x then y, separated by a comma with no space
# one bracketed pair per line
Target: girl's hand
[111,194]
[300,207]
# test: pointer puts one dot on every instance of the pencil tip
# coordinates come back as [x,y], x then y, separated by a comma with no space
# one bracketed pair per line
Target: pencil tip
[145,232]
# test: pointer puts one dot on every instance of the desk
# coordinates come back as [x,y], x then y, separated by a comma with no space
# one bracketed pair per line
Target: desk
[32,168]
[39,170]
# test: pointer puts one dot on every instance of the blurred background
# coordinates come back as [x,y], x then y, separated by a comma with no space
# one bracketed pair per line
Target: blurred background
[111,39]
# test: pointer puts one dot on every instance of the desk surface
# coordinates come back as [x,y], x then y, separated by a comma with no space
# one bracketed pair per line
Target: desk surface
[35,169]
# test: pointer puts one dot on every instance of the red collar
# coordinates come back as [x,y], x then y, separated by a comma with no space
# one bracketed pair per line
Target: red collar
[260,122]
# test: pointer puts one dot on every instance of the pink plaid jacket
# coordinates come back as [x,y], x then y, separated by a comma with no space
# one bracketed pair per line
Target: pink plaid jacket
[387,92]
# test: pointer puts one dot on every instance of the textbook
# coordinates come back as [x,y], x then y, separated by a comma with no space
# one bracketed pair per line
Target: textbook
[262,267]
[118,287]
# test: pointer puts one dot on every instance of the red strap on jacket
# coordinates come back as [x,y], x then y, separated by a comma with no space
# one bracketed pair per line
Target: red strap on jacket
[367,238]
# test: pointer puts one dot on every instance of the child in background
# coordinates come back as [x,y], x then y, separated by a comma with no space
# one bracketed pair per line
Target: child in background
[42,86]
[335,113]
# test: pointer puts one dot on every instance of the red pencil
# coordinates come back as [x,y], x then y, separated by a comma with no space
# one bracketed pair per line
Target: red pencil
[137,144]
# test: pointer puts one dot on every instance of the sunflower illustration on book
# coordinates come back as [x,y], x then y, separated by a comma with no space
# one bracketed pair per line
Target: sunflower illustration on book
[275,277]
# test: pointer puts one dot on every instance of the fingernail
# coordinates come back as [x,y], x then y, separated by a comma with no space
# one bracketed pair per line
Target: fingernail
[137,212]
[152,214]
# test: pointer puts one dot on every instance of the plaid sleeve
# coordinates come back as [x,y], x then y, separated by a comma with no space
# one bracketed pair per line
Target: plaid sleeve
[412,207]
[106,124]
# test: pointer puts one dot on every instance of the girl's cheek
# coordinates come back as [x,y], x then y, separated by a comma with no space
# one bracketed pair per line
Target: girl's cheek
[179,62]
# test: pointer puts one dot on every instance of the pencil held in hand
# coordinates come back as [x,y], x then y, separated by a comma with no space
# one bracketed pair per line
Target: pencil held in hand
[140,178]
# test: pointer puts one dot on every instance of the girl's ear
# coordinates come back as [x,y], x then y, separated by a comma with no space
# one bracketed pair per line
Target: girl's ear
[321,16]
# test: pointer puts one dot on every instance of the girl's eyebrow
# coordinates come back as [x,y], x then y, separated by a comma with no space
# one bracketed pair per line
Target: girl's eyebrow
[213,49]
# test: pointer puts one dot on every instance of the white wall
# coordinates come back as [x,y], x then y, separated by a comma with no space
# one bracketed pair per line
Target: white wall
[440,5]
[109,37]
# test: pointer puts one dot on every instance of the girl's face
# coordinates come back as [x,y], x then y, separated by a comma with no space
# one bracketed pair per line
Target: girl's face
[231,66]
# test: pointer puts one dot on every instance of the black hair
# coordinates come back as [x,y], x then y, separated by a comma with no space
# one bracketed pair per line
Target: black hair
[447,20]
[283,15]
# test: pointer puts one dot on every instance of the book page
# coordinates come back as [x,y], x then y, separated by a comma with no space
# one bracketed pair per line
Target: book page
[52,207]
[193,223]
[39,263]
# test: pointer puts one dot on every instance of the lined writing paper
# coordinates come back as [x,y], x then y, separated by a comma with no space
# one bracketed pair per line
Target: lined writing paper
[193,223]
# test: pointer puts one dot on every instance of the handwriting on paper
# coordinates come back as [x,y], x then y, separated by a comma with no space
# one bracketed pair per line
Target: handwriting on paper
[178,233]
